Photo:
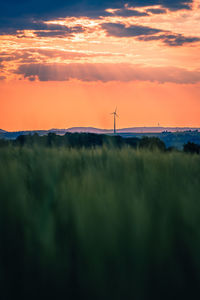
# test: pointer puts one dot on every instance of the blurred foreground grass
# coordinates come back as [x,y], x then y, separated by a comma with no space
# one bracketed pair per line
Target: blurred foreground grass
[99,224]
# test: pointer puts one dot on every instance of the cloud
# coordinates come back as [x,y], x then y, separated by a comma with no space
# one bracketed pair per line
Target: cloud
[62,8]
[40,28]
[13,25]
[66,55]
[156,10]
[172,40]
[31,55]
[107,72]
[179,40]
[49,33]
[18,15]
[66,31]
[127,12]
[20,55]
[30,14]
[6,58]
[120,30]
[144,33]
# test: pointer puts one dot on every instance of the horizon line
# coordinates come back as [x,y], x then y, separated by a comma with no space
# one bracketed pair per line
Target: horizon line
[107,129]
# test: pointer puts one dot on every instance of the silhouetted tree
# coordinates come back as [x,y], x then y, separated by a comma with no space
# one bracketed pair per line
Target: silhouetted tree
[21,140]
[191,148]
[51,139]
[152,143]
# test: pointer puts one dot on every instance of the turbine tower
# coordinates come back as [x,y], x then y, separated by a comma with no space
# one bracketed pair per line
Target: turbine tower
[115,115]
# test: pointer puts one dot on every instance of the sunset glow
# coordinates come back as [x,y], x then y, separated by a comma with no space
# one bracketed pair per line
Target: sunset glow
[62,69]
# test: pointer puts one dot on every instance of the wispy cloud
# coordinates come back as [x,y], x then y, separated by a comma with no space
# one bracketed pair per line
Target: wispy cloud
[121,30]
[32,55]
[107,72]
[127,12]
[38,27]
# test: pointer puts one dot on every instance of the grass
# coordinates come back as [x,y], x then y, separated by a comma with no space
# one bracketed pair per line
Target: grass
[99,224]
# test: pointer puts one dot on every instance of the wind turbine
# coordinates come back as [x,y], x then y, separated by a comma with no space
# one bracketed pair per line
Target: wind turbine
[115,115]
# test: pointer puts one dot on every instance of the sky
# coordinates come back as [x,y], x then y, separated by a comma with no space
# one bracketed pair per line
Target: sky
[71,63]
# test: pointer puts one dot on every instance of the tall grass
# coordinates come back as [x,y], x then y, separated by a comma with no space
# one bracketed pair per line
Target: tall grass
[99,224]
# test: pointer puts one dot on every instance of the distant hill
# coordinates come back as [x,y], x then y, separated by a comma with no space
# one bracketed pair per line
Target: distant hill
[128,130]
[2,131]
[156,129]
[88,129]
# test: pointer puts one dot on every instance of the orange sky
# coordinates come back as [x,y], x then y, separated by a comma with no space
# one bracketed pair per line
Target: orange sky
[60,81]
[45,105]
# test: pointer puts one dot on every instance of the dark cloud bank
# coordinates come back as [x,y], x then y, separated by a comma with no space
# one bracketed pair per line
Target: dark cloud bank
[107,72]
[19,15]
[145,33]
[51,8]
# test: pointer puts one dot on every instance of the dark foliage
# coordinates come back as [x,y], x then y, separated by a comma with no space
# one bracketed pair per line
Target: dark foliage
[75,140]
[92,140]
[152,143]
[172,149]
[191,148]
[4,143]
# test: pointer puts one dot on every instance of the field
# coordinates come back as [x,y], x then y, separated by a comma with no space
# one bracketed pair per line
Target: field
[99,224]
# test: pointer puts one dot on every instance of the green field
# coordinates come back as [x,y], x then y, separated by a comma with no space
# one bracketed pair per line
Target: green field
[99,224]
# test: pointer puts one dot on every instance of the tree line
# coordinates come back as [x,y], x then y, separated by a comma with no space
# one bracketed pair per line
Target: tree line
[88,140]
